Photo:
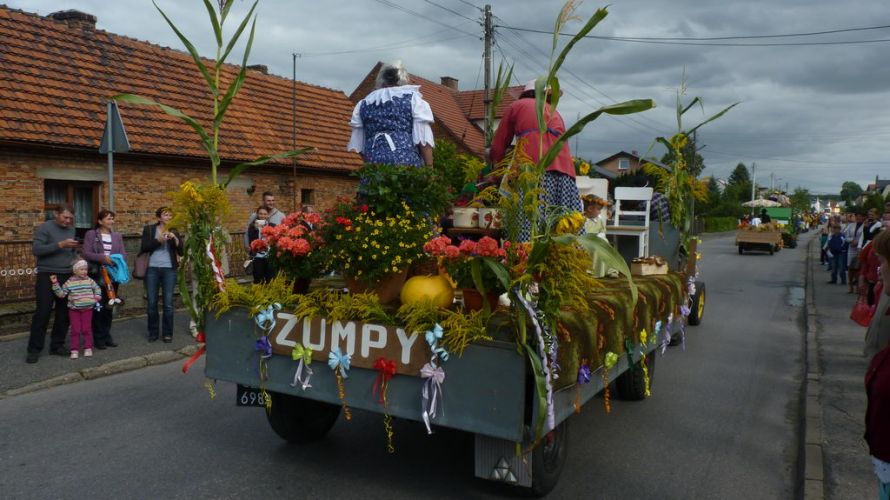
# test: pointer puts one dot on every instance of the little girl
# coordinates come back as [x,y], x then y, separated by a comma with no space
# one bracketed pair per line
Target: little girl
[83,295]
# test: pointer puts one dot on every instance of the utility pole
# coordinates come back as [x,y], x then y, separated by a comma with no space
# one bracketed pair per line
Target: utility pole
[487,99]
[293,141]
[753,179]
[772,178]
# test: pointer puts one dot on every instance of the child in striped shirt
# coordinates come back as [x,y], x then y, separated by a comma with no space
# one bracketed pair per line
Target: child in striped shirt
[83,295]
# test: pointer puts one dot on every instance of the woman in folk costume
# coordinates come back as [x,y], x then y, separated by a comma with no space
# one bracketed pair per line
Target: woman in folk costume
[520,121]
[391,125]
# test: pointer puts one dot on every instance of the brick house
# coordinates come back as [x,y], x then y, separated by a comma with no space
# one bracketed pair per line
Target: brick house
[459,114]
[59,72]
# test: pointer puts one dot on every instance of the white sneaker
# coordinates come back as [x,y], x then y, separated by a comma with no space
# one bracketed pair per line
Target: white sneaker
[88,353]
[73,354]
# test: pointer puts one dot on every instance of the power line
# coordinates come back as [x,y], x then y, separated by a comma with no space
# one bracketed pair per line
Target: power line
[470,4]
[396,45]
[713,38]
[456,13]
[418,14]
[701,44]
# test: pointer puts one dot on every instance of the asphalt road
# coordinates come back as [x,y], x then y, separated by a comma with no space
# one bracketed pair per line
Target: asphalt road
[722,422]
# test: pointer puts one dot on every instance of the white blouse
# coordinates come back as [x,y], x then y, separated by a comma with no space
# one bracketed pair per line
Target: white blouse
[420,109]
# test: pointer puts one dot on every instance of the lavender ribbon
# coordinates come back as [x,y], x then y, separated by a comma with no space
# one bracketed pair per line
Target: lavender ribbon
[264,347]
[666,334]
[432,391]
[432,338]
[338,360]
[584,374]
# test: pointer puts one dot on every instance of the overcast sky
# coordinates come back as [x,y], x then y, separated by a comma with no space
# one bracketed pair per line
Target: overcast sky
[810,115]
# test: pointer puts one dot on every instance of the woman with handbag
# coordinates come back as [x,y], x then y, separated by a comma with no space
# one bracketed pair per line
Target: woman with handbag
[163,247]
[99,244]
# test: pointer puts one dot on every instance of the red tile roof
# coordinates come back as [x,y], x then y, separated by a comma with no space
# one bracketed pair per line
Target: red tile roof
[472,102]
[57,81]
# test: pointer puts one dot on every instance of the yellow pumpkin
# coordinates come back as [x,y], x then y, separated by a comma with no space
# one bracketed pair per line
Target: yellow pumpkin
[421,288]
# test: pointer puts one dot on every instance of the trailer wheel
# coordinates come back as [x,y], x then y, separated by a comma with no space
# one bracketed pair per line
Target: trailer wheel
[299,420]
[698,304]
[548,459]
[631,385]
[741,249]
[771,250]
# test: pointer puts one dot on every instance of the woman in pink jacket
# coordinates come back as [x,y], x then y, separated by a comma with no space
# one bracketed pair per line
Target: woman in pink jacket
[520,121]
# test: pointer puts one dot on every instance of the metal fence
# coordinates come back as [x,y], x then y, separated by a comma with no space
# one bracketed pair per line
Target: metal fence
[18,271]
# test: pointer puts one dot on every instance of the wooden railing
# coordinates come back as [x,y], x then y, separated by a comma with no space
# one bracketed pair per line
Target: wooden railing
[18,266]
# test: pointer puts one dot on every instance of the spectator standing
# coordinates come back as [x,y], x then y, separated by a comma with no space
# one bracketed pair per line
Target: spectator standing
[877,378]
[275,216]
[262,268]
[853,233]
[164,248]
[98,246]
[54,246]
[836,255]
[83,296]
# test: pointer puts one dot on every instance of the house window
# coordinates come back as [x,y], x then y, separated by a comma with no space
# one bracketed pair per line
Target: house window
[83,196]
[623,164]
[307,196]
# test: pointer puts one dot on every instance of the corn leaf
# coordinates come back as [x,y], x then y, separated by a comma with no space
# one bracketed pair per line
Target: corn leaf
[241,167]
[718,115]
[193,51]
[604,252]
[540,390]
[621,108]
[499,271]
[598,16]
[236,84]
[237,35]
[136,99]
[217,29]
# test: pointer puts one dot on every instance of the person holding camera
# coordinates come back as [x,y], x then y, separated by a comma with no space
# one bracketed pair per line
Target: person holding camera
[262,268]
[55,247]
[164,247]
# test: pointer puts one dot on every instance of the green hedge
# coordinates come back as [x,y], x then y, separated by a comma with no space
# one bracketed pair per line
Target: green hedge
[720,224]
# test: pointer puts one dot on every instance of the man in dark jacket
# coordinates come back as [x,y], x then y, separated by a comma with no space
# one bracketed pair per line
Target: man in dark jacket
[54,246]
[764,217]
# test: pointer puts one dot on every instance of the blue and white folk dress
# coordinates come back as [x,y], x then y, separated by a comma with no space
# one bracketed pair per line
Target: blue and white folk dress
[389,124]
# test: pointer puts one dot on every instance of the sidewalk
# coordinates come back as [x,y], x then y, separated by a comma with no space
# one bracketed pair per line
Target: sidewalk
[133,352]
[839,342]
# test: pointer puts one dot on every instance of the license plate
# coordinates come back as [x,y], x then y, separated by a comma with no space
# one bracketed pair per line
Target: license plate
[248,396]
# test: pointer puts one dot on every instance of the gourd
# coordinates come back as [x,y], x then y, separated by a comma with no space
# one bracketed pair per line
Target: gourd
[436,288]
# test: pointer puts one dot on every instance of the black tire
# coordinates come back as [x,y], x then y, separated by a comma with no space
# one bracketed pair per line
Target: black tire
[771,251]
[631,385]
[741,249]
[548,459]
[698,304]
[299,420]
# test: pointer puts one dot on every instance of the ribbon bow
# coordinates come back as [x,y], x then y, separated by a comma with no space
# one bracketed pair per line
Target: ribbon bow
[265,319]
[666,338]
[610,360]
[685,310]
[432,391]
[304,356]
[584,374]
[264,347]
[432,338]
[386,370]
[338,360]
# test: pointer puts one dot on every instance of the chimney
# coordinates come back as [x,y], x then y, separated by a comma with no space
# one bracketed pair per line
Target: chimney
[634,152]
[262,68]
[449,82]
[75,19]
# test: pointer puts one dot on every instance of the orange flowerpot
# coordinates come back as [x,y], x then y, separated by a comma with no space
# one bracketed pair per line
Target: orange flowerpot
[473,299]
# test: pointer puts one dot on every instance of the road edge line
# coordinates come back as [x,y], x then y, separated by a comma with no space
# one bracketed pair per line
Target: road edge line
[813,456]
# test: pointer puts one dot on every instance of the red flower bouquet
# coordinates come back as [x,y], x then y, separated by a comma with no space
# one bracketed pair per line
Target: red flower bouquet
[295,246]
[473,265]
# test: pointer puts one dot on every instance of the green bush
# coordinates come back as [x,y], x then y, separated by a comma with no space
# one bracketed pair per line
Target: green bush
[720,224]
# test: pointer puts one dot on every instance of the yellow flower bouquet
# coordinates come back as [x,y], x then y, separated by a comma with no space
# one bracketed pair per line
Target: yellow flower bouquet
[368,246]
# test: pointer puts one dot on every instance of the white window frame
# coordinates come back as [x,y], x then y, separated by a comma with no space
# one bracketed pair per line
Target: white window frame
[623,163]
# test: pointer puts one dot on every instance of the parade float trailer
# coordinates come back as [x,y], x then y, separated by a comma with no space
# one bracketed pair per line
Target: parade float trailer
[764,238]
[488,390]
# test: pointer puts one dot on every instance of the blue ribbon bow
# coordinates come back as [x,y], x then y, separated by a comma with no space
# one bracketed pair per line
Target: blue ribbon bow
[432,338]
[338,360]
[265,319]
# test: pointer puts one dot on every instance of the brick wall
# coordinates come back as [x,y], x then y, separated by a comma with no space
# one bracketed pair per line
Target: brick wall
[141,184]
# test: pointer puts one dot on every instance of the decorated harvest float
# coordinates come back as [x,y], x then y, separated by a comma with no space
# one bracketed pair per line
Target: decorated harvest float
[375,308]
